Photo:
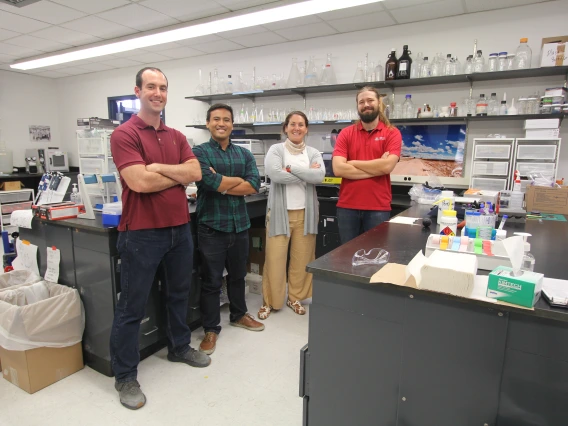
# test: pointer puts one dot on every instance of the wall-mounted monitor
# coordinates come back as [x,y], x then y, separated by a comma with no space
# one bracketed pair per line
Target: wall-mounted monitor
[432,150]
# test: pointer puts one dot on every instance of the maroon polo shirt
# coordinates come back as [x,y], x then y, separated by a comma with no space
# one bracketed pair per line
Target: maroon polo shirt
[356,143]
[135,142]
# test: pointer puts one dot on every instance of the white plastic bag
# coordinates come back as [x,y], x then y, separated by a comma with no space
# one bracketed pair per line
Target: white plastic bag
[16,278]
[42,314]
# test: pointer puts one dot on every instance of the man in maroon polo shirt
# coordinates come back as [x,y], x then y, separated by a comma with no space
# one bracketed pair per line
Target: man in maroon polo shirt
[155,162]
[364,156]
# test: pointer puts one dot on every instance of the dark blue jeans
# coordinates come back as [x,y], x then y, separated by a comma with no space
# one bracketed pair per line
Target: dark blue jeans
[141,253]
[220,250]
[353,223]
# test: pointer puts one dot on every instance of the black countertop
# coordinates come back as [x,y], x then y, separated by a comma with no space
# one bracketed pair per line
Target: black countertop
[96,225]
[548,245]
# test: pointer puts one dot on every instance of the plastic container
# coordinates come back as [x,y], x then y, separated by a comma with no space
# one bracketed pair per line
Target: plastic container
[502,61]
[492,64]
[6,160]
[446,203]
[9,208]
[112,213]
[449,223]
[523,56]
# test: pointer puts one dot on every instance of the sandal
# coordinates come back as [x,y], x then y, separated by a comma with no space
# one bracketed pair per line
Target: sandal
[296,307]
[264,312]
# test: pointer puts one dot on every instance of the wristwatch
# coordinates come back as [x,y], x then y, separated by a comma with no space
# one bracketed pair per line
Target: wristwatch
[288,168]
[224,192]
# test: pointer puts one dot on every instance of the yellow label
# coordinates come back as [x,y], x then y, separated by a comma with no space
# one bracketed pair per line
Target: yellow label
[333,180]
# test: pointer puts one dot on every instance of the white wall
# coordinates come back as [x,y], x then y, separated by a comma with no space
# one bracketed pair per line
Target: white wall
[25,100]
[86,95]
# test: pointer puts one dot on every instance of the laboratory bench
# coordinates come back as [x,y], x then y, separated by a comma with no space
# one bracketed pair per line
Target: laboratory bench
[384,354]
[90,262]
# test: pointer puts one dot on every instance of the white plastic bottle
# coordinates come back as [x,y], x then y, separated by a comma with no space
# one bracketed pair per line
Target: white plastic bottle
[449,223]
[75,197]
[446,203]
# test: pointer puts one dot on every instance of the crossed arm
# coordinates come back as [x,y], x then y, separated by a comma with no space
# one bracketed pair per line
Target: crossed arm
[234,185]
[157,177]
[364,169]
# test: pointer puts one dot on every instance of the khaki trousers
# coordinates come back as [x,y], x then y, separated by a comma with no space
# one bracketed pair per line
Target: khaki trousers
[302,252]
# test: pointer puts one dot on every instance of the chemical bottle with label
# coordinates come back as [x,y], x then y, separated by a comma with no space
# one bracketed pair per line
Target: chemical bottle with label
[75,197]
[446,202]
[391,66]
[481,106]
[449,223]
[404,64]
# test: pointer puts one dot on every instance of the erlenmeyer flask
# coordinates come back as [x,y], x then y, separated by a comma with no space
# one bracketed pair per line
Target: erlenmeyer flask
[260,115]
[294,78]
[359,76]
[379,73]
[328,75]
[311,77]
[200,89]
[215,82]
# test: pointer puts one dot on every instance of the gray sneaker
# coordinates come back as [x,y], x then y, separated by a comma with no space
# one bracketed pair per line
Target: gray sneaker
[191,357]
[131,395]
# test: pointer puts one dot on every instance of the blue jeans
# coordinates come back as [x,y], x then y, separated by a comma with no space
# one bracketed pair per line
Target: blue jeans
[353,223]
[220,250]
[141,253]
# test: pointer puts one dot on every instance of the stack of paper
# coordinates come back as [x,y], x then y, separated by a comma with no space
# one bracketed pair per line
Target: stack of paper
[448,272]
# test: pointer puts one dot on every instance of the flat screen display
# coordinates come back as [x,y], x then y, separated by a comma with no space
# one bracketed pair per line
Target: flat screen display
[434,150]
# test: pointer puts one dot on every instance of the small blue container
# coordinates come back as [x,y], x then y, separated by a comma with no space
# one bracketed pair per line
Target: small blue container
[111,220]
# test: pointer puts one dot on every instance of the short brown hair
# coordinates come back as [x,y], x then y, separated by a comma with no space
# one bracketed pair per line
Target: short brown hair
[219,106]
[289,117]
[382,117]
[139,75]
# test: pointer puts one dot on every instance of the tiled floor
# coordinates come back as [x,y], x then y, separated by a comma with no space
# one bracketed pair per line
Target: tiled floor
[252,380]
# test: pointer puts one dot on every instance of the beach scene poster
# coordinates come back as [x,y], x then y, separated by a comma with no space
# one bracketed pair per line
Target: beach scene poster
[435,150]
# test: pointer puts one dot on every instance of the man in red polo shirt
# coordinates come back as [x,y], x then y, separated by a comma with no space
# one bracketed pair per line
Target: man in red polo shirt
[364,156]
[155,162]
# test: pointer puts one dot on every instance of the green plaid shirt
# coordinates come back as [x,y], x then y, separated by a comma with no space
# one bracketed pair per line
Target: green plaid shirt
[225,213]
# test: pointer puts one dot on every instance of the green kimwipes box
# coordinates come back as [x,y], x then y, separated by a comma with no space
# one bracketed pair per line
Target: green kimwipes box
[523,290]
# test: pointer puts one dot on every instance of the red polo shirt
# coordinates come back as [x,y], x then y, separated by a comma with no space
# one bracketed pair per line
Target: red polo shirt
[356,143]
[135,142]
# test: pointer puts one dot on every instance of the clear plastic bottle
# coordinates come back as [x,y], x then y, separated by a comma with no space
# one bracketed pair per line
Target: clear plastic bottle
[502,61]
[426,68]
[328,74]
[468,66]
[371,73]
[503,108]
[523,56]
[456,68]
[408,108]
[528,258]
[479,62]
[493,105]
[448,66]
[75,197]
[229,84]
[294,78]
[492,64]
[438,65]
[481,106]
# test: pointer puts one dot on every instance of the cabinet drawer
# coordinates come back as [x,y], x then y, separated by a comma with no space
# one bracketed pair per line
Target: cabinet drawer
[328,224]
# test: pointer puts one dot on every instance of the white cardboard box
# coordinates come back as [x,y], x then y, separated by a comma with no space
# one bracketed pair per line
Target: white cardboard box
[542,133]
[554,55]
[543,123]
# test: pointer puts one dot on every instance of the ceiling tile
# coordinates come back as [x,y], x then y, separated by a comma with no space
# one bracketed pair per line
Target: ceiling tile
[21,24]
[90,6]
[364,22]
[4,59]
[218,46]
[428,11]
[481,5]
[292,23]
[138,17]
[51,74]
[181,52]
[98,27]
[74,38]
[244,4]
[149,58]
[198,40]
[96,67]
[185,10]
[49,12]
[306,31]
[397,4]
[74,70]
[165,46]
[122,62]
[129,53]
[10,49]
[37,43]
[262,39]
[230,35]
[5,34]
[352,11]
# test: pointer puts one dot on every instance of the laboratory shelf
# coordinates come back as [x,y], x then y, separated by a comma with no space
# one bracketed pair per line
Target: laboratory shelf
[430,81]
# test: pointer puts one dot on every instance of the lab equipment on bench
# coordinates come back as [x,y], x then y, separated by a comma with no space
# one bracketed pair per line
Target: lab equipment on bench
[97,185]
[52,188]
[58,211]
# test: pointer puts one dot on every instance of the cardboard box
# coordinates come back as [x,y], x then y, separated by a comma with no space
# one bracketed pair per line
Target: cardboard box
[15,185]
[257,247]
[542,133]
[547,200]
[523,290]
[36,369]
[543,123]
[553,52]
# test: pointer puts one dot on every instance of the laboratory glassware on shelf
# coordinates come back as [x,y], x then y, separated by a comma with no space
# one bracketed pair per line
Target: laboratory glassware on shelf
[200,89]
[391,66]
[425,68]
[523,55]
[404,64]
[479,62]
[295,79]
[359,76]
[415,71]
[311,76]
[328,74]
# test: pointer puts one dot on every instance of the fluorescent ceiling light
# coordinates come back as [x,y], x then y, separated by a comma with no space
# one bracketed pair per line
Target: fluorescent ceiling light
[282,13]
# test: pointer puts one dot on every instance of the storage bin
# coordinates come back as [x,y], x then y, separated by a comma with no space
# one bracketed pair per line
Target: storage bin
[9,208]
[492,168]
[493,151]
[111,214]
[15,196]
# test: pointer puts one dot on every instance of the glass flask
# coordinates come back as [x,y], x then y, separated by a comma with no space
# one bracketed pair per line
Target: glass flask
[359,76]
[523,56]
[468,67]
[295,79]
[215,82]
[415,70]
[311,77]
[200,89]
[448,65]
[408,107]
[328,74]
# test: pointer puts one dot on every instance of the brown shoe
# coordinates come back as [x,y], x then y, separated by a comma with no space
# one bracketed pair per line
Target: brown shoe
[248,322]
[296,307]
[208,343]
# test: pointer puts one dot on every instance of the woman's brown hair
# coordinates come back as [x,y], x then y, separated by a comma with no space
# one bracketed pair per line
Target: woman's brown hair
[382,117]
[289,117]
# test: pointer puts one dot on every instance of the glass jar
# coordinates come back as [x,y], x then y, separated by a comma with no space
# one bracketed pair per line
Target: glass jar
[511,62]
[502,61]
[397,112]
[532,106]
[492,63]
[522,106]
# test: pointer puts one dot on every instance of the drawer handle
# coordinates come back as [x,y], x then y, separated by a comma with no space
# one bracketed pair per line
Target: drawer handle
[150,332]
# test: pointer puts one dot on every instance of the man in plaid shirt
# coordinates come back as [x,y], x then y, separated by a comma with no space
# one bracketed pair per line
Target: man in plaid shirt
[229,173]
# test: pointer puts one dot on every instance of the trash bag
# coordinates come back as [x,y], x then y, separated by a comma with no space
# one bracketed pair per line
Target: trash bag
[16,278]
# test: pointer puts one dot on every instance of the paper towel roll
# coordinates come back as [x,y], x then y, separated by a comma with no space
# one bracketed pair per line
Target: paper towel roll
[449,272]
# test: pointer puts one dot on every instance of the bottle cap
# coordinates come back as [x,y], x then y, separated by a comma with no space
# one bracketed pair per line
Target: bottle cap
[453,104]
[425,58]
[405,47]
[408,96]
[450,213]
[502,53]
[479,51]
[493,54]
[493,94]
[482,95]
[449,55]
[524,40]
[503,102]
